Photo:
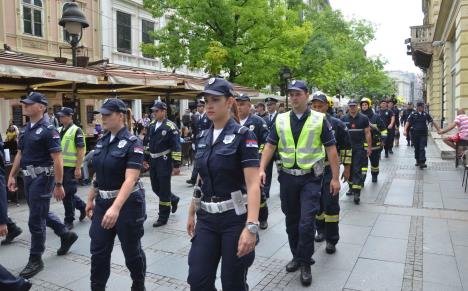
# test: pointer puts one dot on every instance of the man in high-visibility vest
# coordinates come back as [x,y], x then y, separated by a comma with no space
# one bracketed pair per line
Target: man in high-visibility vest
[301,136]
[73,151]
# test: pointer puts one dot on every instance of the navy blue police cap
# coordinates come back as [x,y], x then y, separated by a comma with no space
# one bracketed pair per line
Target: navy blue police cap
[320,96]
[271,99]
[159,105]
[242,97]
[65,111]
[218,87]
[352,102]
[112,105]
[420,103]
[35,97]
[298,85]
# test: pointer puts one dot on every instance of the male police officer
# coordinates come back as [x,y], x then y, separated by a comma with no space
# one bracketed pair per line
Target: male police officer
[360,133]
[270,119]
[73,150]
[418,122]
[388,117]
[379,134]
[259,127]
[406,114]
[40,159]
[300,136]
[329,215]
[163,143]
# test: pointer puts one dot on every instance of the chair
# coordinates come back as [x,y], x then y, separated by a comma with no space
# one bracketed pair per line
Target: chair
[465,170]
[463,143]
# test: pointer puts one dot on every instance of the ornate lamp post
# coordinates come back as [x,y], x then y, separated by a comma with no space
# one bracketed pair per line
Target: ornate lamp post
[73,21]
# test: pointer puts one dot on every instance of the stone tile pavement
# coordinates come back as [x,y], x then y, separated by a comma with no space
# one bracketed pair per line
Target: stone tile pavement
[409,233]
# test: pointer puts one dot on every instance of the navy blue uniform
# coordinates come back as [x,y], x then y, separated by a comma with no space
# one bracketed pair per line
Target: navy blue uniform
[386,115]
[418,123]
[37,143]
[201,123]
[300,195]
[270,120]
[70,184]
[165,138]
[404,118]
[111,160]
[377,127]
[220,165]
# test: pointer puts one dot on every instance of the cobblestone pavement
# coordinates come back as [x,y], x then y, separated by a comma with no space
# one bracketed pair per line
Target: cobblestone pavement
[409,233]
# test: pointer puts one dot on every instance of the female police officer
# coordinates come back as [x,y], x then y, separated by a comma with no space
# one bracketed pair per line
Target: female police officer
[227,160]
[116,202]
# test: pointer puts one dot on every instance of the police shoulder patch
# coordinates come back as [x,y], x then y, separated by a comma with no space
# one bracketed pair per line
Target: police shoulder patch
[242,130]
[132,138]
[50,126]
[171,124]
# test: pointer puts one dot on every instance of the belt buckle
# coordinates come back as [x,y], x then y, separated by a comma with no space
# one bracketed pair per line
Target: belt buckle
[220,207]
[296,172]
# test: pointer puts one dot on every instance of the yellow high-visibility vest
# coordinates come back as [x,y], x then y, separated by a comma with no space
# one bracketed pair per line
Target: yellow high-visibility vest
[69,150]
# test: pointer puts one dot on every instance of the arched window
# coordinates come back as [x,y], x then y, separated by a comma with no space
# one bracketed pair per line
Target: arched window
[32,17]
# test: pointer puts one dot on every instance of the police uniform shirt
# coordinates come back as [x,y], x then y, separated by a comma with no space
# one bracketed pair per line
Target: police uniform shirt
[386,116]
[377,126]
[270,119]
[406,114]
[341,134]
[356,126]
[396,113]
[79,136]
[418,122]
[258,126]
[202,123]
[165,137]
[220,164]
[112,158]
[37,142]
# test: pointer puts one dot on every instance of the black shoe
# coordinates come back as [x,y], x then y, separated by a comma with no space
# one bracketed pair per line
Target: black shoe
[11,236]
[159,223]
[349,193]
[292,266]
[82,214]
[190,181]
[34,266]
[374,179]
[390,151]
[357,199]
[330,248]
[26,285]
[67,240]
[138,286]
[417,164]
[319,237]
[386,154]
[408,144]
[69,225]
[97,288]
[422,166]
[174,205]
[263,224]
[306,275]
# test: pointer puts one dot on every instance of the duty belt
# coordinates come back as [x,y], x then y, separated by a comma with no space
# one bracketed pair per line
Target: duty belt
[296,172]
[32,171]
[220,207]
[157,155]
[110,194]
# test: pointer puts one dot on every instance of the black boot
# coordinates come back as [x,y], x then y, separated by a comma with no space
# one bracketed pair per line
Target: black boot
[69,225]
[190,181]
[330,248]
[34,266]
[292,266]
[319,237]
[357,198]
[12,235]
[349,193]
[422,166]
[82,214]
[67,240]
[138,286]
[174,205]
[94,287]
[417,164]
[26,285]
[374,178]
[306,275]
[159,223]
[263,224]
[386,154]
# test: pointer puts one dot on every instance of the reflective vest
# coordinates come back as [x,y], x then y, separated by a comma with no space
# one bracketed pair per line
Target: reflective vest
[309,148]
[69,151]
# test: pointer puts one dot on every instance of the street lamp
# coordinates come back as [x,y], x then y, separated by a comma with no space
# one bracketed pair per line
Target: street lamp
[285,75]
[73,21]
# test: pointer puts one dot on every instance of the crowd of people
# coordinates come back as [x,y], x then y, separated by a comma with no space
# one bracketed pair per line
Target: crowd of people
[235,146]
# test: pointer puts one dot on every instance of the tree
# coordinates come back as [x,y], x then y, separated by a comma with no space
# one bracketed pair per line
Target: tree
[247,41]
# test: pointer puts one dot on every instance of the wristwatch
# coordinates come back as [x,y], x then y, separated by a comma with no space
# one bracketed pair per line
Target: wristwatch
[58,184]
[252,227]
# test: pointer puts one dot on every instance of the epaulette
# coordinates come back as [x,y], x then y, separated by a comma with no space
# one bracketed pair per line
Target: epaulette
[242,130]
[50,126]
[171,125]
[200,134]
[132,137]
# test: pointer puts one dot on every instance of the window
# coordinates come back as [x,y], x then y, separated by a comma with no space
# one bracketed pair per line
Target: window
[32,17]
[124,32]
[147,27]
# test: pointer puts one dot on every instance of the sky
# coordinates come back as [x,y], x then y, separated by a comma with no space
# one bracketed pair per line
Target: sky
[392,19]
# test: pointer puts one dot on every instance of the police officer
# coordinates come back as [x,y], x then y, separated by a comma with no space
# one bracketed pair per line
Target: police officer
[201,122]
[116,201]
[418,122]
[163,143]
[259,127]
[379,134]
[73,150]
[227,161]
[360,134]
[404,117]
[329,215]
[388,117]
[270,119]
[300,136]
[392,105]
[40,160]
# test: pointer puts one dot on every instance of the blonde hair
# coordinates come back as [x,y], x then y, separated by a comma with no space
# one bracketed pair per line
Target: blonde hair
[128,119]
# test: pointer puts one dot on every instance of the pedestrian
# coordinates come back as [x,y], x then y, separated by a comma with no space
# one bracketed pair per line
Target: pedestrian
[461,123]
[301,137]
[392,105]
[379,135]
[40,160]
[116,200]
[360,134]
[164,159]
[329,214]
[418,121]
[73,145]
[404,117]
[227,160]
[388,117]
[258,126]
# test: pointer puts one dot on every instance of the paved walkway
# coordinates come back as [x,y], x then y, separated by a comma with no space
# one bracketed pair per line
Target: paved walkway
[409,233]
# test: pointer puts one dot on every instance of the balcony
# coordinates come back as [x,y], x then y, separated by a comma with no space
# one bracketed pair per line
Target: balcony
[421,45]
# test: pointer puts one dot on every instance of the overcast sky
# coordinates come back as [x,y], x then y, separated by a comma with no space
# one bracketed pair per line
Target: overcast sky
[392,20]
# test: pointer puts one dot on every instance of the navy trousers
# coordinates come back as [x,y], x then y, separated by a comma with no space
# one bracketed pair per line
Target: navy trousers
[71,201]
[161,185]
[328,216]
[8,282]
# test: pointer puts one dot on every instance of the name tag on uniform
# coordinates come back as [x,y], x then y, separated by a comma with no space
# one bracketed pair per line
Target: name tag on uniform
[229,138]
[201,146]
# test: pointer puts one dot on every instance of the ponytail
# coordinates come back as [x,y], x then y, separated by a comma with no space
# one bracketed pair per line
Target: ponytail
[128,119]
[235,112]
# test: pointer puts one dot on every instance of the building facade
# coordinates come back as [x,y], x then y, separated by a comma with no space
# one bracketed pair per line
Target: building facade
[407,85]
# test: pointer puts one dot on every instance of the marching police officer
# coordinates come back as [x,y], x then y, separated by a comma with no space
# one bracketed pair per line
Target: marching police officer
[227,161]
[73,151]
[163,143]
[388,117]
[418,122]
[360,133]
[116,201]
[270,119]
[328,217]
[379,134]
[259,127]
[40,160]
[201,122]
[406,114]
[392,105]
[300,136]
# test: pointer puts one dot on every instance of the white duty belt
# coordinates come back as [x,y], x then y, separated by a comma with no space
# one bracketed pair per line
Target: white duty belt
[220,207]
[113,193]
[32,171]
[157,155]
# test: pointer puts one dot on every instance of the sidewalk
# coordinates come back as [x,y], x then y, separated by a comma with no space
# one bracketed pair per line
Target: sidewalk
[409,233]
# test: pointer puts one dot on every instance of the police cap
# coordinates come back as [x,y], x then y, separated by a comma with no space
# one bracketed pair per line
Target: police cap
[271,99]
[320,96]
[159,105]
[218,87]
[35,97]
[298,85]
[420,103]
[111,105]
[242,97]
[65,111]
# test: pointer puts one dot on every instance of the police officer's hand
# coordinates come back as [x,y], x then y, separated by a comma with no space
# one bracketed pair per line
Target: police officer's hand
[89,209]
[335,186]
[191,225]
[346,173]
[246,244]
[3,230]
[110,218]
[77,173]
[262,177]
[59,193]
[12,184]
[145,166]
[176,172]
[369,151]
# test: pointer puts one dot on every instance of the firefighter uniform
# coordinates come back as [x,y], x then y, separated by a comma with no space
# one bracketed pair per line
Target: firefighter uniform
[386,116]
